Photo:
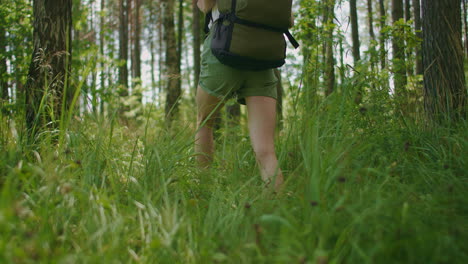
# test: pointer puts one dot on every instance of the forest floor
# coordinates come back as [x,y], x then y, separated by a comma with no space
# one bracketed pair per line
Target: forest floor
[363,185]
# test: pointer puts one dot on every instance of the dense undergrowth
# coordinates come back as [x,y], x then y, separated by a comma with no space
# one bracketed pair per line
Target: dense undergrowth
[364,184]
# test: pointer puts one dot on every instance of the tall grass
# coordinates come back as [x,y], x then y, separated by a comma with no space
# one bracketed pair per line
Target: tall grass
[363,185]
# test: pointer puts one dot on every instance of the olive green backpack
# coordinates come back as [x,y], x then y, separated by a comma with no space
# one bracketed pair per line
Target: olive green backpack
[249,34]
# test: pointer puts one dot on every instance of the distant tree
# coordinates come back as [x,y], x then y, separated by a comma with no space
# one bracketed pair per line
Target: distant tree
[123,46]
[370,17]
[407,10]
[417,27]
[50,63]
[151,9]
[3,62]
[399,65]
[465,21]
[444,78]
[196,33]
[354,31]
[102,26]
[329,15]
[173,90]
[136,60]
[382,38]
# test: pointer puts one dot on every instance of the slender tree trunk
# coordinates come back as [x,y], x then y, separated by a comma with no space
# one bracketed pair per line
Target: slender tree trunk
[407,10]
[370,15]
[50,63]
[417,27]
[3,65]
[382,38]
[180,40]
[444,77]
[330,60]
[161,53]
[398,44]
[172,63]
[151,38]
[465,21]
[408,50]
[354,31]
[102,29]
[196,32]
[93,86]
[136,58]
[123,50]
[137,36]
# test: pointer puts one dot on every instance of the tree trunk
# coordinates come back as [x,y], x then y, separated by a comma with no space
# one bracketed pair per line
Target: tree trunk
[465,21]
[417,27]
[3,64]
[399,67]
[172,63]
[136,58]
[123,47]
[161,52]
[407,10]
[136,44]
[444,78]
[408,50]
[370,14]
[382,38]
[180,40]
[330,60]
[196,32]
[102,28]
[354,31]
[47,85]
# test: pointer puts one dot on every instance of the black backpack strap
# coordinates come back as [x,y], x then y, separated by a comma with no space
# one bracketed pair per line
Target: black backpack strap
[292,39]
[208,19]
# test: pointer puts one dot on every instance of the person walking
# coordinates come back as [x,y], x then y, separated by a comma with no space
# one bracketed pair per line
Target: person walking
[257,89]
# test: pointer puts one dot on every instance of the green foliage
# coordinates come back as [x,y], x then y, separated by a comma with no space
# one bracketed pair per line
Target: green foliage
[16,20]
[363,186]
[364,183]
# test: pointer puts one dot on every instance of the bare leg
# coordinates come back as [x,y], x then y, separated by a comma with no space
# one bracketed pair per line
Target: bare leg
[262,121]
[207,106]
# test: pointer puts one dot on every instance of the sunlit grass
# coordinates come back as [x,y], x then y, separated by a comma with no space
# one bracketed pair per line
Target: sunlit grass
[361,187]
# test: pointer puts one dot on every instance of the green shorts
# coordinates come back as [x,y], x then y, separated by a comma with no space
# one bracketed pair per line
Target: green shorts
[226,82]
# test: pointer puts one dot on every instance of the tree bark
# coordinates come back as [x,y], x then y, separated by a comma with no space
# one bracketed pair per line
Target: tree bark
[172,63]
[123,48]
[102,25]
[465,21]
[3,64]
[354,31]
[47,85]
[407,10]
[196,32]
[136,44]
[370,14]
[417,27]
[382,38]
[330,59]
[444,78]
[399,64]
